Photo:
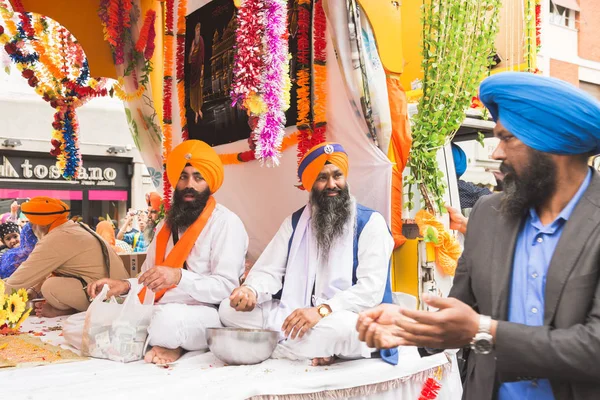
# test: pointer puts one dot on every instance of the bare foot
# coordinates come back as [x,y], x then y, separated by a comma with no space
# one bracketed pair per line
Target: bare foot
[43,309]
[323,361]
[160,355]
[197,115]
[201,115]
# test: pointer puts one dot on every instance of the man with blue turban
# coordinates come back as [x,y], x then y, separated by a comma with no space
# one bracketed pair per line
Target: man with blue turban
[468,192]
[526,292]
[328,261]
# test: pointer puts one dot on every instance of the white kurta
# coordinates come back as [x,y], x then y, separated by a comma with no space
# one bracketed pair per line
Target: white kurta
[215,265]
[335,334]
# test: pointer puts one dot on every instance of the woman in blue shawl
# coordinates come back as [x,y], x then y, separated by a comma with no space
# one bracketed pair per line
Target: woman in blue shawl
[12,259]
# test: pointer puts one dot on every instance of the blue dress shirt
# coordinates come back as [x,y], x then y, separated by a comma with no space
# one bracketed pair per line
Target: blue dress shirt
[533,252]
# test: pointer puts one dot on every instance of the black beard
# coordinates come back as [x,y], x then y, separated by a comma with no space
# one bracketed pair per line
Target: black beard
[329,217]
[184,213]
[530,190]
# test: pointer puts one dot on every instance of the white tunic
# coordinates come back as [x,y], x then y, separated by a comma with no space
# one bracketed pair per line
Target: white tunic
[215,263]
[375,247]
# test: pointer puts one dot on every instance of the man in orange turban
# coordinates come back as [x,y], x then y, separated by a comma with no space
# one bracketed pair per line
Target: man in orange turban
[333,255]
[195,259]
[71,254]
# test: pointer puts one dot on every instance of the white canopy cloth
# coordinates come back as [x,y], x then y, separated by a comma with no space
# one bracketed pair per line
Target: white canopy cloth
[203,376]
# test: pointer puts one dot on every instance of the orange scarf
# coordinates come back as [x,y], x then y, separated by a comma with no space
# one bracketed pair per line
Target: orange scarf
[182,249]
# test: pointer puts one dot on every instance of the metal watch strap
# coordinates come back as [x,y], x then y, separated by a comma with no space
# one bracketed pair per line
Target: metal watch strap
[485,324]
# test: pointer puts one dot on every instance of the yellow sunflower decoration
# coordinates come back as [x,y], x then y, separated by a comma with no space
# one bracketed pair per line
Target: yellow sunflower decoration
[3,315]
[23,294]
[15,308]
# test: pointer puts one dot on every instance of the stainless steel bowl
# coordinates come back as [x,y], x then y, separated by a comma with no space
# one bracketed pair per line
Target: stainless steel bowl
[236,346]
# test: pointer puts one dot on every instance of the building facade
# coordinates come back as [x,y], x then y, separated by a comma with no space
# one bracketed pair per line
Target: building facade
[570,50]
[112,177]
[570,47]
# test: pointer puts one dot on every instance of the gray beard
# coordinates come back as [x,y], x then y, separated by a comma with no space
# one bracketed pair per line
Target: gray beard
[329,218]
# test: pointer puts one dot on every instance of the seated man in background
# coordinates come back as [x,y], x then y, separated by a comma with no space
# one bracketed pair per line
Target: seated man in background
[71,253]
[468,192]
[333,255]
[11,259]
[195,260]
[10,236]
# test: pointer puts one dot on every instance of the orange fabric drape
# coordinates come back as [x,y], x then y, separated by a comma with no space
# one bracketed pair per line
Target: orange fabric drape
[180,252]
[400,143]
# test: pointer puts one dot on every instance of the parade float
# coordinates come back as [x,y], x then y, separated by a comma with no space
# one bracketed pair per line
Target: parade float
[262,81]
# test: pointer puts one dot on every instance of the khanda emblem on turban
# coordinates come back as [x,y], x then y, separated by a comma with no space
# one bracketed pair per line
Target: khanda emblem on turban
[328,149]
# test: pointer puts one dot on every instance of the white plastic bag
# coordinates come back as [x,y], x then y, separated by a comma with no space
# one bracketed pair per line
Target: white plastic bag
[73,329]
[117,331]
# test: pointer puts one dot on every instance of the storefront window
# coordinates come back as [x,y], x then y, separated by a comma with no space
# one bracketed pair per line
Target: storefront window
[102,191]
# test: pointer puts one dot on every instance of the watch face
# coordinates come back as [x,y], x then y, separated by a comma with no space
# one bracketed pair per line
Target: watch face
[483,345]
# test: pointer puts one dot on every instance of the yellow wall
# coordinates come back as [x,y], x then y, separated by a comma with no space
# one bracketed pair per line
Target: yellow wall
[411,42]
[405,268]
[156,76]
[80,17]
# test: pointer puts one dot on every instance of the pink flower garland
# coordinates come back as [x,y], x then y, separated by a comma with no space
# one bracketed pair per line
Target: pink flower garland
[275,53]
[248,66]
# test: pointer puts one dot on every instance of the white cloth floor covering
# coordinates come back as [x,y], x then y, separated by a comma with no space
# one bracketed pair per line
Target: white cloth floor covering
[202,376]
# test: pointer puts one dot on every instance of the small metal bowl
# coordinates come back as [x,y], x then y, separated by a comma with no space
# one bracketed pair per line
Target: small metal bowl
[236,346]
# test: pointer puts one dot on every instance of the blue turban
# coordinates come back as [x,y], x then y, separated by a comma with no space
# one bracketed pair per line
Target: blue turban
[460,160]
[546,114]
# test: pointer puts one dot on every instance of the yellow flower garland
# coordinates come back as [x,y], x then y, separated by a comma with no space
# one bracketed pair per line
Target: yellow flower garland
[120,92]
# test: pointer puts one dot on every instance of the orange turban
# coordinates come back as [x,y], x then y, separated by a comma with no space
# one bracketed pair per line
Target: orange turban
[315,159]
[200,156]
[154,200]
[46,211]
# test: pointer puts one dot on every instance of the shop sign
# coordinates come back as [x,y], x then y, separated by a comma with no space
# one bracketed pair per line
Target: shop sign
[92,173]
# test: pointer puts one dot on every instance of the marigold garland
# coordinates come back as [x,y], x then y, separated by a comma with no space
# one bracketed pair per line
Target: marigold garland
[538,24]
[167,95]
[312,112]
[121,93]
[143,40]
[430,390]
[180,71]
[60,79]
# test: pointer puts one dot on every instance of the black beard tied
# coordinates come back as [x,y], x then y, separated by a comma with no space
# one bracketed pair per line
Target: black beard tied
[183,213]
[329,217]
[530,189]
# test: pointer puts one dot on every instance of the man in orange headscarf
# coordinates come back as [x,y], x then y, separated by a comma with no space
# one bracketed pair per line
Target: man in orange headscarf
[65,259]
[195,259]
[333,255]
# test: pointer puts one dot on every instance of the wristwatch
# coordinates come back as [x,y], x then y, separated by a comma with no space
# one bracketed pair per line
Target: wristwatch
[483,343]
[324,310]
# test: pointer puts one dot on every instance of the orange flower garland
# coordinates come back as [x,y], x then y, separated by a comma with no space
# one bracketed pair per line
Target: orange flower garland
[122,94]
[167,95]
[447,248]
[181,11]
[312,119]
